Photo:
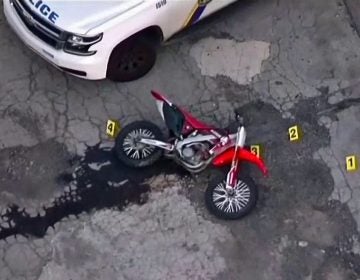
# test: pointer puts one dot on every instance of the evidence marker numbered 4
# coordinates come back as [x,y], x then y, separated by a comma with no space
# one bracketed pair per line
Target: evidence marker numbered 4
[112,128]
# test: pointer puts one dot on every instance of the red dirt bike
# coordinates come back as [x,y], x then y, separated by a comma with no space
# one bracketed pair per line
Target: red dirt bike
[195,145]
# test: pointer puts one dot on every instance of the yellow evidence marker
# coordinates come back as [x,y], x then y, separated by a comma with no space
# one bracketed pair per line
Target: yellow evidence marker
[257,150]
[112,128]
[351,163]
[295,133]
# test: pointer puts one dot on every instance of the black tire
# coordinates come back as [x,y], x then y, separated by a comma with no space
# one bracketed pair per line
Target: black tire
[221,213]
[132,59]
[120,146]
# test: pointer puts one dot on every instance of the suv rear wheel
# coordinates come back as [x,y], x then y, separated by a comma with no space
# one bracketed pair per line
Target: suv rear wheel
[132,59]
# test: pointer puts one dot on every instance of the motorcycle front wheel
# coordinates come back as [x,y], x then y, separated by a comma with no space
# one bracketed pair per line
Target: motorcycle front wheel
[133,153]
[231,206]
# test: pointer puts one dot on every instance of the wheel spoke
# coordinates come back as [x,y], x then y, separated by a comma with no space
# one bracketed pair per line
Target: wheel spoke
[221,204]
[143,153]
[229,207]
[217,196]
[133,148]
[237,205]
[242,203]
[231,203]
[128,150]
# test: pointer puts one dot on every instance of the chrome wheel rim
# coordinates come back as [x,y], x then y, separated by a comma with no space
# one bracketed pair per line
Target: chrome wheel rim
[135,150]
[231,203]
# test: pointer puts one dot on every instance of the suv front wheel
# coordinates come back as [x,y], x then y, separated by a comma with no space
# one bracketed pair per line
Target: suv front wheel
[132,59]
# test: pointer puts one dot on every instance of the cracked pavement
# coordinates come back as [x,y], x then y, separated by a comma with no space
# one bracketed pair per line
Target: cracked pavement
[281,63]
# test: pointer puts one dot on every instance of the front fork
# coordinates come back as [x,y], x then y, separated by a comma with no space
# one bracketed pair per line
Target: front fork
[231,178]
[234,157]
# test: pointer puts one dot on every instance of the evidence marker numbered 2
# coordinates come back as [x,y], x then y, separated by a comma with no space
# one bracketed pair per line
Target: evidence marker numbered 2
[295,133]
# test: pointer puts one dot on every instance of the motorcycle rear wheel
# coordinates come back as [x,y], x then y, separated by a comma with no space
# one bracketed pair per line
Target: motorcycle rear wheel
[135,154]
[227,207]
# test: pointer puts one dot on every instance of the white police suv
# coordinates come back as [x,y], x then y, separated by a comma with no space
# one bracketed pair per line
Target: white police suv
[95,39]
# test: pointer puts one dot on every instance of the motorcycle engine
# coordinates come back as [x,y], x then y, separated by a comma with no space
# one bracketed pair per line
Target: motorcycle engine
[194,153]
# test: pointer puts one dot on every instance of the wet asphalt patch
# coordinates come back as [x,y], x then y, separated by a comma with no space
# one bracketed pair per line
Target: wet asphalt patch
[99,181]
[302,189]
[293,206]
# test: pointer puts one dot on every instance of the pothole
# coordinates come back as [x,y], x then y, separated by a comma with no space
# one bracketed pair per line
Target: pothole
[240,61]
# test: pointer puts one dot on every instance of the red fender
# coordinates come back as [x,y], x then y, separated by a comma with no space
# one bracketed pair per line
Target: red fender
[243,155]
